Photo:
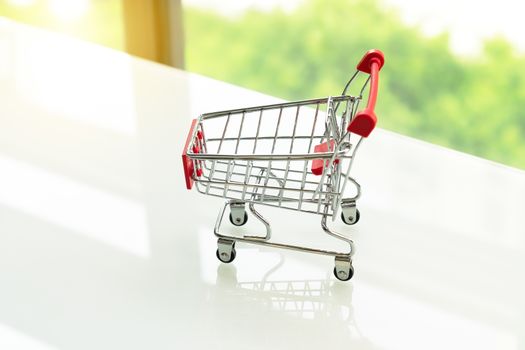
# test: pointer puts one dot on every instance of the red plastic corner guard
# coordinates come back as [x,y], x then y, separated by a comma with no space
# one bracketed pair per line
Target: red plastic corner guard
[365,121]
[317,164]
[187,163]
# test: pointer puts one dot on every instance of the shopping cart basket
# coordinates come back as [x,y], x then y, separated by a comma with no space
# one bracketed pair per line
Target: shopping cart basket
[293,155]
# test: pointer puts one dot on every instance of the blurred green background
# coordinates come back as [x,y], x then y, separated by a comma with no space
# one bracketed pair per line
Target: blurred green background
[472,103]
[475,105]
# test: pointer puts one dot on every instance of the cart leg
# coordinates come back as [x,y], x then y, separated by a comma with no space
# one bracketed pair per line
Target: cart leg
[226,244]
[343,269]
[349,212]
[226,250]
[239,206]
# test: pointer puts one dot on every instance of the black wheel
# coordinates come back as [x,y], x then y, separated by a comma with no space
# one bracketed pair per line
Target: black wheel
[344,278]
[230,258]
[357,216]
[239,223]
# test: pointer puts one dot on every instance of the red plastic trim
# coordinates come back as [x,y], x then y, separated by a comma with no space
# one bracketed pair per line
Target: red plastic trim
[371,55]
[317,164]
[187,163]
[365,121]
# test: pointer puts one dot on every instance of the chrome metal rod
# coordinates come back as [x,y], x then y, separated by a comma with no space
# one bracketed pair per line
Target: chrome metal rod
[254,157]
[264,240]
[273,106]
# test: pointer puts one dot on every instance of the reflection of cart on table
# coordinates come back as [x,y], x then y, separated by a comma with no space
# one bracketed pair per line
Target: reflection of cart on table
[317,307]
[306,299]
[294,155]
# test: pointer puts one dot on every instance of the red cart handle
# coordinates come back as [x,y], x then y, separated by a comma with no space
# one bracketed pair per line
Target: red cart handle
[365,121]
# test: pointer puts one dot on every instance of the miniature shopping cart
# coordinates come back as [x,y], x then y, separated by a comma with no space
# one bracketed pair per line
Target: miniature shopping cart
[293,155]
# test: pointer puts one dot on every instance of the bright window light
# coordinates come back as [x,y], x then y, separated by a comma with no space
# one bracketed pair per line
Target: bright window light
[69,10]
[21,3]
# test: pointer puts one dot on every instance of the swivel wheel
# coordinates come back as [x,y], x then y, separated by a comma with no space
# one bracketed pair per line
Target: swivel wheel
[350,220]
[226,250]
[239,221]
[343,269]
[344,275]
[225,257]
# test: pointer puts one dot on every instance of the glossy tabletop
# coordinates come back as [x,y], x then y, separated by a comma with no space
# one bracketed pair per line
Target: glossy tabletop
[102,246]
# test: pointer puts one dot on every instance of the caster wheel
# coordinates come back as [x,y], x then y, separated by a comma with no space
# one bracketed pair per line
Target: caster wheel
[344,275]
[226,258]
[239,223]
[348,222]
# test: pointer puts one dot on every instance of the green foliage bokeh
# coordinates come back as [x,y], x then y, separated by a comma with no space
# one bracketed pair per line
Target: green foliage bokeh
[475,105]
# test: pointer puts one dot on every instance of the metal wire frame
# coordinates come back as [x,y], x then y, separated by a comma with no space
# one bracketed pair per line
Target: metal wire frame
[273,174]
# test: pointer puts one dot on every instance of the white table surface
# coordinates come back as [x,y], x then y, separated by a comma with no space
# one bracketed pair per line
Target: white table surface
[102,247]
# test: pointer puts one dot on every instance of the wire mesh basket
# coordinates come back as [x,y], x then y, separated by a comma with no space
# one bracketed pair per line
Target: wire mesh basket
[293,155]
